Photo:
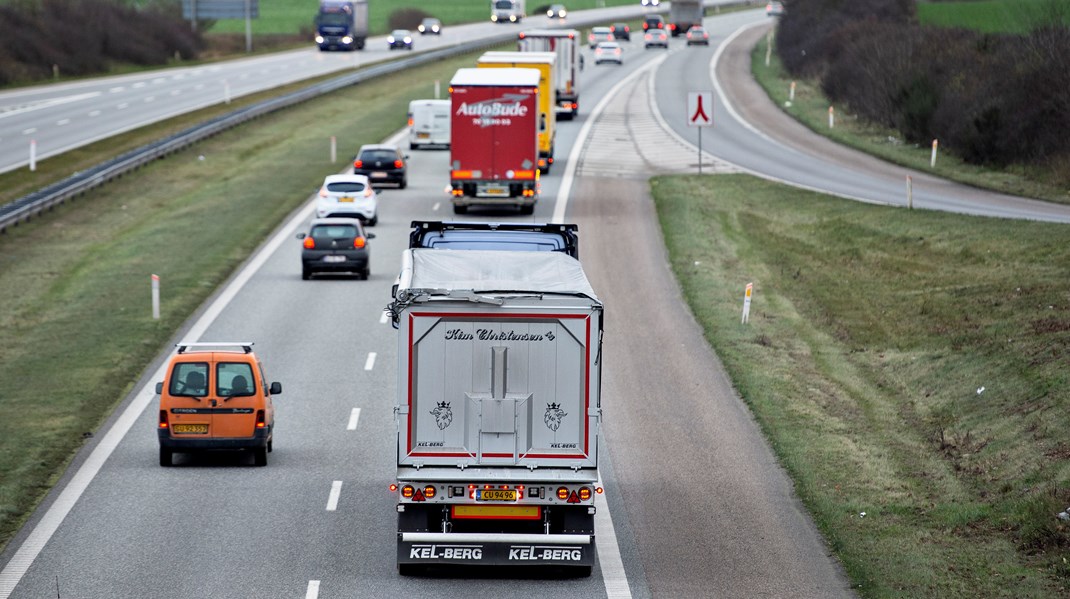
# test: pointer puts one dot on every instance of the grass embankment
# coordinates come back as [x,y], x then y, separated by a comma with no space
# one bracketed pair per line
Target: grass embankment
[811,107]
[76,330]
[908,368]
[993,16]
[285,16]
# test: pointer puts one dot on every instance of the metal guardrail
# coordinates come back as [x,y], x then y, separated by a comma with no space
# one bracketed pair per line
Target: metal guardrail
[79,183]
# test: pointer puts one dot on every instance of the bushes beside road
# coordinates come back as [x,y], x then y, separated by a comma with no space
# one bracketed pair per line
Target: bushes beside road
[993,99]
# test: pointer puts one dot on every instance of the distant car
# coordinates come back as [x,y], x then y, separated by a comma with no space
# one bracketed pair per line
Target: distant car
[608,52]
[622,31]
[557,11]
[774,9]
[381,163]
[656,38]
[599,34]
[348,196]
[430,25]
[651,2]
[653,22]
[697,35]
[400,38]
[337,245]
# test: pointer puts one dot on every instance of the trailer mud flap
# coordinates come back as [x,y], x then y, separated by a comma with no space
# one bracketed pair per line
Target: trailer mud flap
[496,553]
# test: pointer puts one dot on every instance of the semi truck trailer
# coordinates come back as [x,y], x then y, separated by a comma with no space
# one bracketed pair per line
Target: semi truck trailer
[566,44]
[684,14]
[342,24]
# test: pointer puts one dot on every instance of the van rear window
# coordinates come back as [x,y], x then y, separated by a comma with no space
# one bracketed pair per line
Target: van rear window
[234,379]
[189,379]
[334,232]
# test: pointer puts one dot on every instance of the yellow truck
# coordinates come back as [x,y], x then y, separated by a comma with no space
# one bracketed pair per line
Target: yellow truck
[545,63]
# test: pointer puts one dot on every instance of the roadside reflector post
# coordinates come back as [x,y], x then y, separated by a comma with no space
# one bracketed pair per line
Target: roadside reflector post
[55,71]
[768,47]
[33,155]
[226,92]
[155,297]
[334,149]
[832,117]
[910,193]
[791,92]
[746,302]
[932,161]
[437,88]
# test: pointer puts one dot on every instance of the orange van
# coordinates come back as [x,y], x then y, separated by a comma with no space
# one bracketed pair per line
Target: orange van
[215,396]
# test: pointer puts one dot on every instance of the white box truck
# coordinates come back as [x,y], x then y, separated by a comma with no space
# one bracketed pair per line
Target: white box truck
[429,123]
[507,11]
[498,409]
[566,44]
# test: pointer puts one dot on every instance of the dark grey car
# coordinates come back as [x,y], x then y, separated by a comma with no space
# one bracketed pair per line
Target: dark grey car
[335,245]
[381,164]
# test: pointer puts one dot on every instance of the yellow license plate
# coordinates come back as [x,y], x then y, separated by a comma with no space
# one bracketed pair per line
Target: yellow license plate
[348,200]
[423,135]
[495,495]
[497,191]
[195,429]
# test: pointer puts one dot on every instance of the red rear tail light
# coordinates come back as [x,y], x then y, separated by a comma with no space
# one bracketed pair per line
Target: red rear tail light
[323,192]
[309,243]
[626,28]
[163,419]
[585,493]
[260,422]
[358,164]
[562,493]
[358,242]
[393,486]
[368,192]
[398,164]
[408,491]
[429,491]
[410,121]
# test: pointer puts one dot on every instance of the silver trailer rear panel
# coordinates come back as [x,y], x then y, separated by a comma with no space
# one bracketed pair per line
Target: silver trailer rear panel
[498,408]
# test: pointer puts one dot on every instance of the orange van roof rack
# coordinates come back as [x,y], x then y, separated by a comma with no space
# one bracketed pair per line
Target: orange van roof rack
[247,346]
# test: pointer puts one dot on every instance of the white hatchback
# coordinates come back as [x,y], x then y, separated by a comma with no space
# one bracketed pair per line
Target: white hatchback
[349,196]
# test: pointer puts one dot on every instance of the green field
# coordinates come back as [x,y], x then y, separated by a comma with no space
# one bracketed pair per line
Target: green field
[287,16]
[994,16]
[908,368]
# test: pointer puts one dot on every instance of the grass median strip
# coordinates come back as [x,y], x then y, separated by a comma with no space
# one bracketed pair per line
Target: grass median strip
[76,330]
[909,369]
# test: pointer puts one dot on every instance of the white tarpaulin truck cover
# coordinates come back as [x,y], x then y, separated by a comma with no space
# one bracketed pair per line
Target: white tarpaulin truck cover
[485,270]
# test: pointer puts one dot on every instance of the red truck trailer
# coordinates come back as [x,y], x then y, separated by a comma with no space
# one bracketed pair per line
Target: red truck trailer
[494,138]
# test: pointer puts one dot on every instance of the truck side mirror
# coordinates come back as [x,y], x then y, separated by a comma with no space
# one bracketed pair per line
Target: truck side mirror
[275,388]
[159,388]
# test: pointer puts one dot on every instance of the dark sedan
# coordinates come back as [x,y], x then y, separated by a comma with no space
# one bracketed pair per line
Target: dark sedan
[381,164]
[335,245]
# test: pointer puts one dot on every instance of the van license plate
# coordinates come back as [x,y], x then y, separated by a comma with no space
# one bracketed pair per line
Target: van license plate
[188,429]
[333,259]
[423,136]
[495,495]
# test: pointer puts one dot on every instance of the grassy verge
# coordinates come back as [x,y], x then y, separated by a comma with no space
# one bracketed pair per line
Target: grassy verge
[75,286]
[993,16]
[909,369]
[810,108]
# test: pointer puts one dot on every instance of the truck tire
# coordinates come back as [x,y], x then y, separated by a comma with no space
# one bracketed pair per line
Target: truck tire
[459,209]
[260,456]
[165,457]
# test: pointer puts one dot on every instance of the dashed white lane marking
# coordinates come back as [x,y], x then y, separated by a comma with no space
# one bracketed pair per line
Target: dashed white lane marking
[175,92]
[116,90]
[336,492]
[29,131]
[63,122]
[139,84]
[159,80]
[436,206]
[383,317]
[313,590]
[370,362]
[123,105]
[150,98]
[354,417]
[199,86]
[95,113]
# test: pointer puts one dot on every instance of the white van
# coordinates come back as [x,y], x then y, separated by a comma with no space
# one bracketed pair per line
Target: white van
[429,123]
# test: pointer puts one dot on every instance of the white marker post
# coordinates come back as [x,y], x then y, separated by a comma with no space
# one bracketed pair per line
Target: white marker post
[155,297]
[932,161]
[768,47]
[334,149]
[226,92]
[33,155]
[746,302]
[436,88]
[697,116]
[910,193]
[791,92]
[832,117]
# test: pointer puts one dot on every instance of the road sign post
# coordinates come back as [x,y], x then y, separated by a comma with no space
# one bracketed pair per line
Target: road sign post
[700,114]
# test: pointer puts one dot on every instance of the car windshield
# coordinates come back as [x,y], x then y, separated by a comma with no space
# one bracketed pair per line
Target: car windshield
[503,4]
[234,379]
[345,186]
[371,155]
[335,18]
[400,32]
[189,379]
[334,232]
[430,21]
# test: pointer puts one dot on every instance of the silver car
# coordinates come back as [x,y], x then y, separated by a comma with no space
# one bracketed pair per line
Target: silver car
[349,196]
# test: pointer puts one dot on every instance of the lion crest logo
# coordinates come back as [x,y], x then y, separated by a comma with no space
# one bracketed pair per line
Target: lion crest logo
[554,415]
[443,415]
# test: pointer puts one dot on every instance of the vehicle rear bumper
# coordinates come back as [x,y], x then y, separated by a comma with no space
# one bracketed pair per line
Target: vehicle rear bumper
[259,440]
[496,549]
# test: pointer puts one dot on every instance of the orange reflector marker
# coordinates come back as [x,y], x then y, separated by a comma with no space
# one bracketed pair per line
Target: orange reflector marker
[393,486]
[599,490]
[461,174]
[410,121]
[524,174]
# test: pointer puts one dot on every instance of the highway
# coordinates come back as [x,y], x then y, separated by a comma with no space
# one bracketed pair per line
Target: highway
[695,499]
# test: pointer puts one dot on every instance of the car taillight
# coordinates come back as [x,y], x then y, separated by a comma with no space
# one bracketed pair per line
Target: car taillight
[410,121]
[367,192]
[626,29]
[617,51]
[164,423]
[358,164]
[358,242]
[323,192]
[260,422]
[398,164]
[408,491]
[309,243]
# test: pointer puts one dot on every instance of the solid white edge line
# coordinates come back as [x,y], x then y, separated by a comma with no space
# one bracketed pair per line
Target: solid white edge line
[354,417]
[332,499]
[370,362]
[613,575]
[561,202]
[313,590]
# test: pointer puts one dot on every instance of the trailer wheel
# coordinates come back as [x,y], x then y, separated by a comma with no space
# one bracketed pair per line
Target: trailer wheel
[583,571]
[529,209]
